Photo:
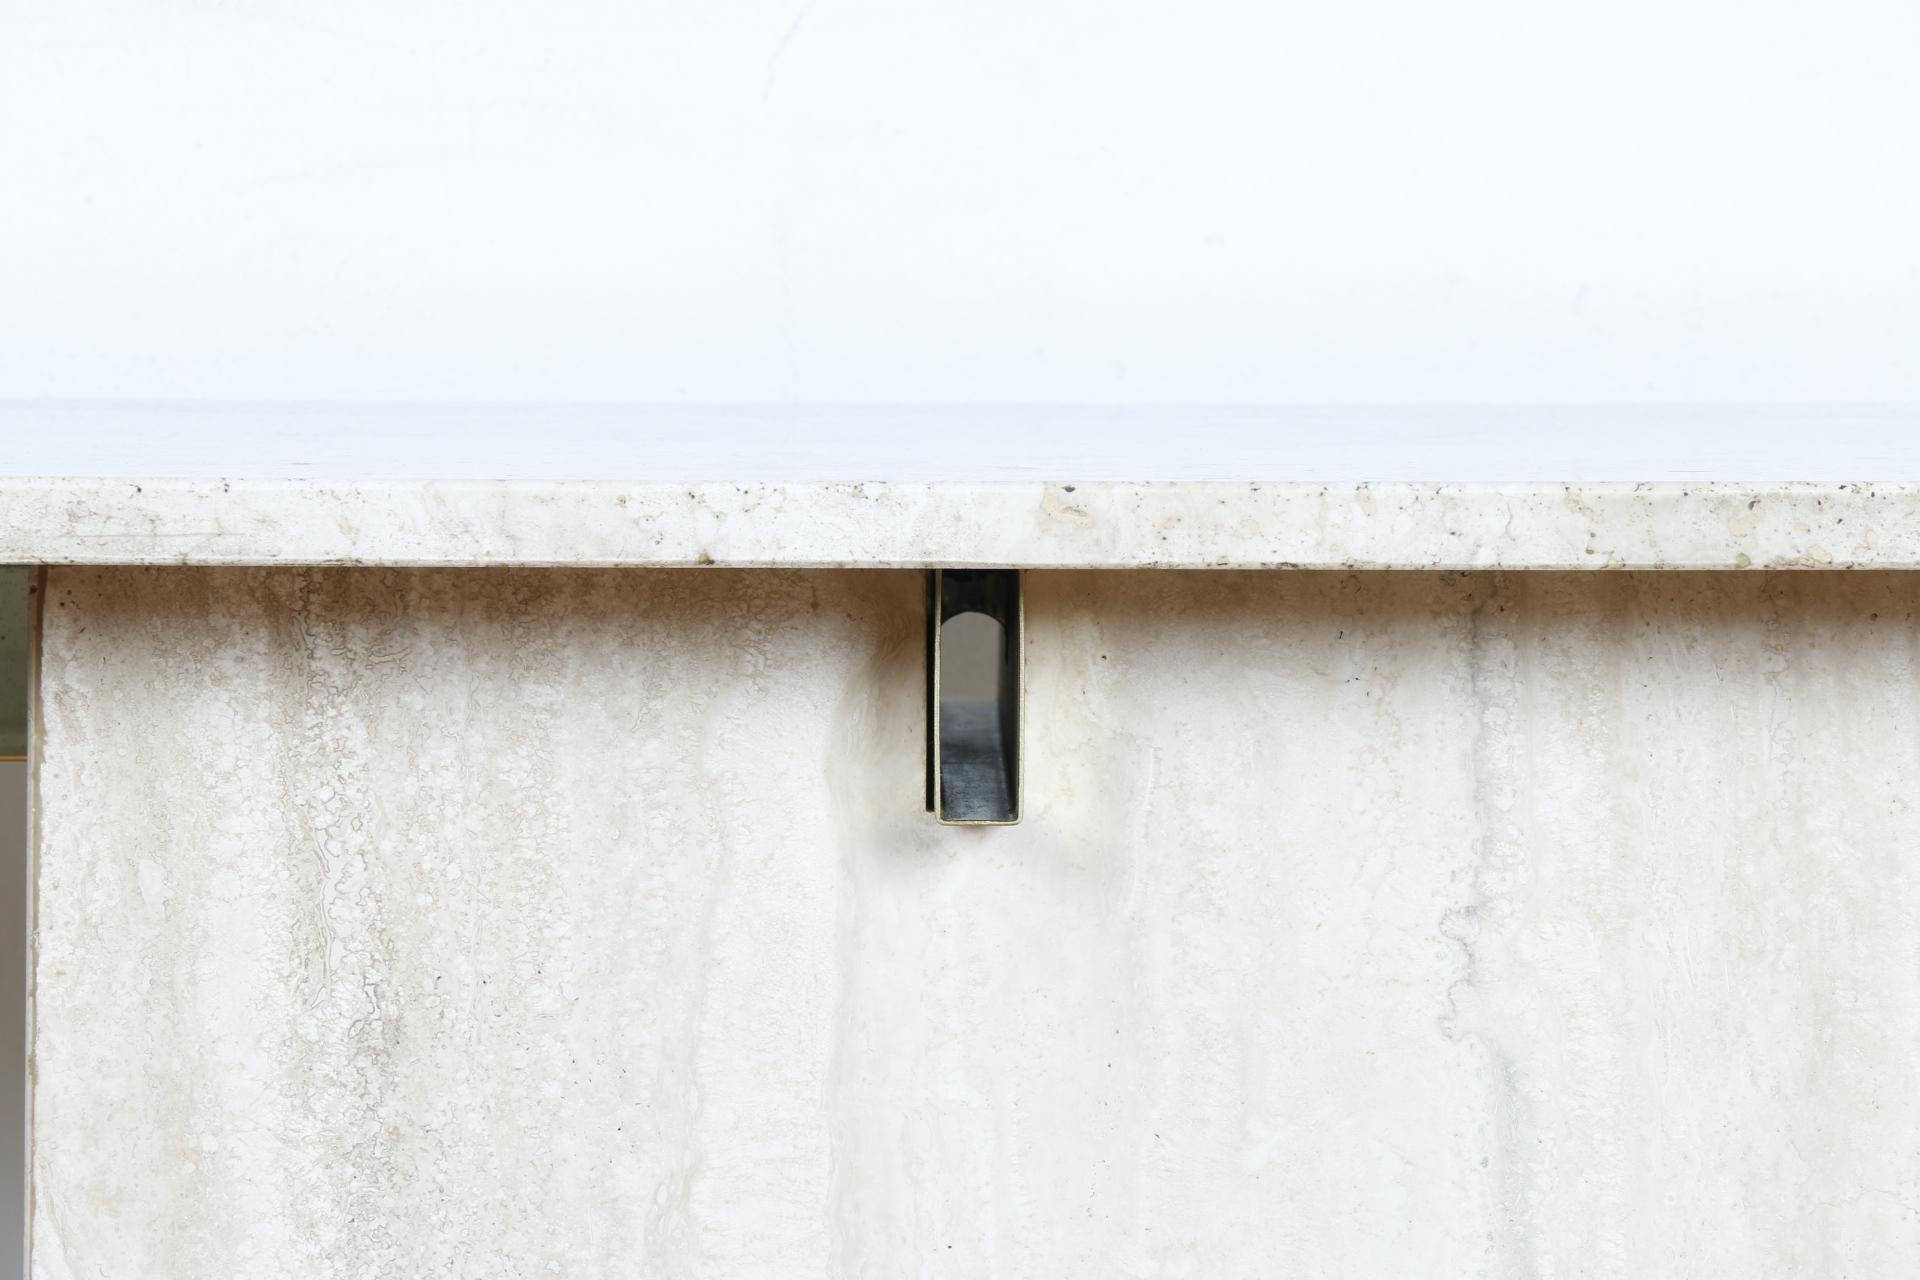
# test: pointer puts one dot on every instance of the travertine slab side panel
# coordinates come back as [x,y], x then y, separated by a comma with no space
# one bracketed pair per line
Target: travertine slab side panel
[1694,944]
[509,923]
[441,924]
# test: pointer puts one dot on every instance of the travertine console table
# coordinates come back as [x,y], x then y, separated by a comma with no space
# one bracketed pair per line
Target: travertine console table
[437,875]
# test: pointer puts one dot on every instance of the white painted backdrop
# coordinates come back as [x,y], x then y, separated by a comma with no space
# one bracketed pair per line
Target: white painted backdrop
[1023,200]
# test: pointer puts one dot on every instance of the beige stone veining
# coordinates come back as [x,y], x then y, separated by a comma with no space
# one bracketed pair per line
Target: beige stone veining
[509,923]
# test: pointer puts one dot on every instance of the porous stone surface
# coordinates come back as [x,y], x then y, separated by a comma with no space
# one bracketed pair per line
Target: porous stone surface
[506,923]
[823,524]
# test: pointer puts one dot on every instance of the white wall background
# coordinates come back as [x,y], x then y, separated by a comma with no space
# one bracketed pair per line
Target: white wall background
[1098,200]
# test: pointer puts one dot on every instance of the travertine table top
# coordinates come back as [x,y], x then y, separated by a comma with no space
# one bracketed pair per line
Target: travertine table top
[1342,488]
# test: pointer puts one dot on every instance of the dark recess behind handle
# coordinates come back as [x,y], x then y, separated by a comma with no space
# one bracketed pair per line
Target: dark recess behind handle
[973,744]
